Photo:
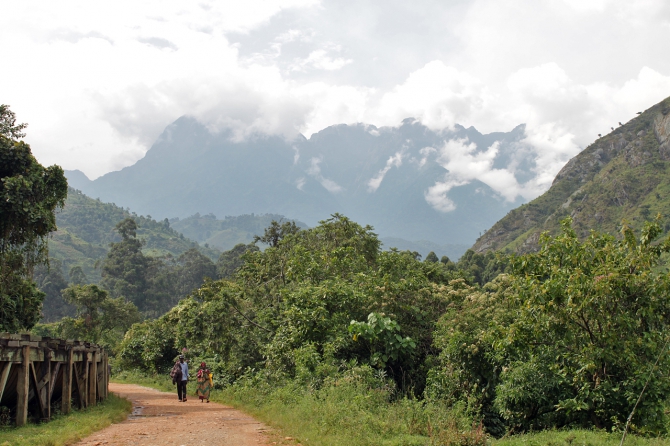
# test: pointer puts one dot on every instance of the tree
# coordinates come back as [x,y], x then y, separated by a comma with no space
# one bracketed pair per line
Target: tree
[8,126]
[592,317]
[569,337]
[229,261]
[29,197]
[50,280]
[287,309]
[124,270]
[431,257]
[192,270]
[276,232]
[99,319]
[77,276]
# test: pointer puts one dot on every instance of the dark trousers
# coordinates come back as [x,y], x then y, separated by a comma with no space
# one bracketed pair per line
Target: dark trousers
[181,389]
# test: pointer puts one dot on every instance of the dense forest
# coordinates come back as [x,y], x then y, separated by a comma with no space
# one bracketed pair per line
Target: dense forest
[567,336]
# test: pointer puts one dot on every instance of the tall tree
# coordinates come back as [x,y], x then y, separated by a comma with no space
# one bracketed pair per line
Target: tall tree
[29,196]
[99,318]
[193,268]
[124,271]
[51,282]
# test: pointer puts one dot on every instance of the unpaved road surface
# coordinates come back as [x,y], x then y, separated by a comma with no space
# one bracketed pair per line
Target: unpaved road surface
[160,419]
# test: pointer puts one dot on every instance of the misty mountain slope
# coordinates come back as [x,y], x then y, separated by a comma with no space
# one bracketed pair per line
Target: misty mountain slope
[86,228]
[622,176]
[393,178]
[226,233]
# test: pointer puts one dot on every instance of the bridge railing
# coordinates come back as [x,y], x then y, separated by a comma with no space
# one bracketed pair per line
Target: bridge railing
[39,373]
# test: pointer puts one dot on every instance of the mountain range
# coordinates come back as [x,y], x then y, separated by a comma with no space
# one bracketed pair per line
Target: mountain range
[622,178]
[377,176]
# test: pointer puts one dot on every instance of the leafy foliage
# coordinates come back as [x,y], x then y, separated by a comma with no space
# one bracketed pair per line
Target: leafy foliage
[383,338]
[287,309]
[230,261]
[29,197]
[98,318]
[568,338]
[51,282]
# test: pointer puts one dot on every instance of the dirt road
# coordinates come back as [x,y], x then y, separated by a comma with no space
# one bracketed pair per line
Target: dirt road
[160,419]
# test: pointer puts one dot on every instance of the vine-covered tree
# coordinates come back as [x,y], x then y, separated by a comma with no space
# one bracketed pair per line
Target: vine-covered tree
[29,197]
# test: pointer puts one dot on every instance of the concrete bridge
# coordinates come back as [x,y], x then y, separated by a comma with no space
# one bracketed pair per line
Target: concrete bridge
[38,374]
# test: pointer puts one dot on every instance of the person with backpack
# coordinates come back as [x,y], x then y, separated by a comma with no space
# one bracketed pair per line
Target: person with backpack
[179,375]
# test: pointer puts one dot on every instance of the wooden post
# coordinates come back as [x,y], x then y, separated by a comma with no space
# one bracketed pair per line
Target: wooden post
[54,376]
[101,376]
[66,399]
[3,378]
[106,375]
[92,379]
[46,389]
[38,387]
[76,374]
[22,388]
[84,380]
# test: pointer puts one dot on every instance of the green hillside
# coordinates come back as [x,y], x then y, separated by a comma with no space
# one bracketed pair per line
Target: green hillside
[622,176]
[86,228]
[225,234]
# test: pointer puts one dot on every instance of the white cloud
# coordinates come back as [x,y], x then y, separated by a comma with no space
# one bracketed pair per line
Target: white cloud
[99,81]
[436,94]
[376,181]
[314,170]
[320,60]
[437,197]
[464,164]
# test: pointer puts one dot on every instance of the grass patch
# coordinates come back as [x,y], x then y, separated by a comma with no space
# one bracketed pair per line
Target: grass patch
[68,429]
[576,437]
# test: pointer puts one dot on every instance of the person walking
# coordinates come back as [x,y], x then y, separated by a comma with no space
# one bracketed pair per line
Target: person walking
[179,376]
[204,379]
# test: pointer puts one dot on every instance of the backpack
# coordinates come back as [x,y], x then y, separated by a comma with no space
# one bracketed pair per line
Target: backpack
[176,373]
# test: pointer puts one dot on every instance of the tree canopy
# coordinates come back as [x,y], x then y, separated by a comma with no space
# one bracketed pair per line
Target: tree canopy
[29,197]
[569,337]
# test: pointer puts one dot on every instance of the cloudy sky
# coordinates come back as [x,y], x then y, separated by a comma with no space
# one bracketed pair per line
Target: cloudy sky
[97,82]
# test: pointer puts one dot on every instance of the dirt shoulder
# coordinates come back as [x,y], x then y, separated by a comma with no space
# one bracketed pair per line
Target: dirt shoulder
[160,419]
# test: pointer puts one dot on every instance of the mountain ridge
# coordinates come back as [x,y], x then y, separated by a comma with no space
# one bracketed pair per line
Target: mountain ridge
[377,176]
[622,176]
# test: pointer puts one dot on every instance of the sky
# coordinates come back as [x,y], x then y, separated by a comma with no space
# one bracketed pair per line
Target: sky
[97,82]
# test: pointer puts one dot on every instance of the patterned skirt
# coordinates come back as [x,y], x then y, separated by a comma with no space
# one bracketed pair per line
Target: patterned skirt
[204,387]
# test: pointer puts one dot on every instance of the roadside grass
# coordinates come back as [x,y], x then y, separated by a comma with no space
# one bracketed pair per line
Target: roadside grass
[353,415]
[578,437]
[68,429]
[344,413]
